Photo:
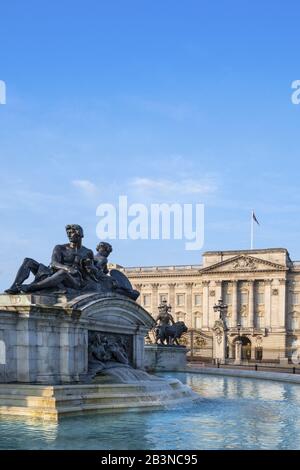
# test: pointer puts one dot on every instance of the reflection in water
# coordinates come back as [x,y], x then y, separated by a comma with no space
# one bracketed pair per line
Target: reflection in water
[233,413]
[14,429]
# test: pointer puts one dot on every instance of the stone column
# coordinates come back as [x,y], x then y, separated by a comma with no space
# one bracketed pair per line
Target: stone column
[238,352]
[80,352]
[154,300]
[268,290]
[65,353]
[282,315]
[251,305]
[22,350]
[234,314]
[189,304]
[282,303]
[172,294]
[205,285]
[138,349]
[218,290]
[230,355]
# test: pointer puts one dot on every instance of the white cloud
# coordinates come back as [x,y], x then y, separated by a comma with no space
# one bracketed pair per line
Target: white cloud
[87,187]
[12,198]
[185,186]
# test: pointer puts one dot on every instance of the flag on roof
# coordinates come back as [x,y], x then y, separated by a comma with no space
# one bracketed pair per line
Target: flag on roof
[254,218]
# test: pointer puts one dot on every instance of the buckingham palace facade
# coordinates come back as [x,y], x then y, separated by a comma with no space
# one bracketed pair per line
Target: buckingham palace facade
[260,287]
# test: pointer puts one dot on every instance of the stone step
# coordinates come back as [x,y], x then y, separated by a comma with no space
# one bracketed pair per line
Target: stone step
[122,406]
[56,390]
[53,401]
[102,397]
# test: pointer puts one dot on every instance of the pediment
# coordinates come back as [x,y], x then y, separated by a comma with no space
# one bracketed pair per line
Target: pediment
[244,263]
[113,310]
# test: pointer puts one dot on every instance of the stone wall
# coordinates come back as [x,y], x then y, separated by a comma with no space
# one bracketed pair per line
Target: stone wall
[47,342]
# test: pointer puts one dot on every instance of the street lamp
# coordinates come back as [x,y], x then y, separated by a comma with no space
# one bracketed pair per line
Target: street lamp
[221,308]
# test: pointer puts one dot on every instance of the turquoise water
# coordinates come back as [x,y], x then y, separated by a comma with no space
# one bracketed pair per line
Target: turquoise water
[232,413]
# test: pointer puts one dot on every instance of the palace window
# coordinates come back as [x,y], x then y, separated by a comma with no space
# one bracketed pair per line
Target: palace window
[147,300]
[163,297]
[295,298]
[226,293]
[198,299]
[180,317]
[198,322]
[180,299]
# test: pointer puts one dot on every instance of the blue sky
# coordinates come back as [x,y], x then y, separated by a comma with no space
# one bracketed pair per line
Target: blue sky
[164,101]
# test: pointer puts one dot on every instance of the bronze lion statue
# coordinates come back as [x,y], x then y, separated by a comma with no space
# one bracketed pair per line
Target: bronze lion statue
[170,334]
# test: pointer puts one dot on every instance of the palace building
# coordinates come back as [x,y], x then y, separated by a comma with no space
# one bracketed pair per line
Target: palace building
[260,287]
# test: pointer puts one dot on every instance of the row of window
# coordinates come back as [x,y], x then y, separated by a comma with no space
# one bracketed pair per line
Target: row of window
[259,298]
[243,298]
[180,299]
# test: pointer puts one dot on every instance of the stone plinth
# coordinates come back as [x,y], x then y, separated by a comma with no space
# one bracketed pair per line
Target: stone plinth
[219,341]
[44,338]
[238,352]
[168,358]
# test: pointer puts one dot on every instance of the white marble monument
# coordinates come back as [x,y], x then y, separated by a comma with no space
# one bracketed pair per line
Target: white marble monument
[44,339]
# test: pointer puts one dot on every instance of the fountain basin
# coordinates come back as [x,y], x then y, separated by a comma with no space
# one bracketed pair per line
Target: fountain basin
[66,356]
[55,401]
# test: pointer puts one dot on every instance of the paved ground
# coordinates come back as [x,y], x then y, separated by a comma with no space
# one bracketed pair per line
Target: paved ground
[260,367]
[273,374]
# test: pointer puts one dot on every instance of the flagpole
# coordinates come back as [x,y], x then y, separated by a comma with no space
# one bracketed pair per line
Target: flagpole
[252,229]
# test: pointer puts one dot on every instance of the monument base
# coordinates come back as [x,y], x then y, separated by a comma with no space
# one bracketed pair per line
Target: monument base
[55,401]
[165,358]
[49,339]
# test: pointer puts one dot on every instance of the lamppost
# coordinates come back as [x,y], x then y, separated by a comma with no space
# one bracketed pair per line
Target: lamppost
[239,331]
[221,308]
[238,346]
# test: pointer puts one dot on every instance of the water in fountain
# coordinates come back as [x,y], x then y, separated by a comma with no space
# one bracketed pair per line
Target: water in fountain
[145,387]
[123,373]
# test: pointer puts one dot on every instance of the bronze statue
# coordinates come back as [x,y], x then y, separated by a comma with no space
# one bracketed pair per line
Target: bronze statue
[73,268]
[171,334]
[104,349]
[103,249]
[163,319]
[167,331]
[66,268]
